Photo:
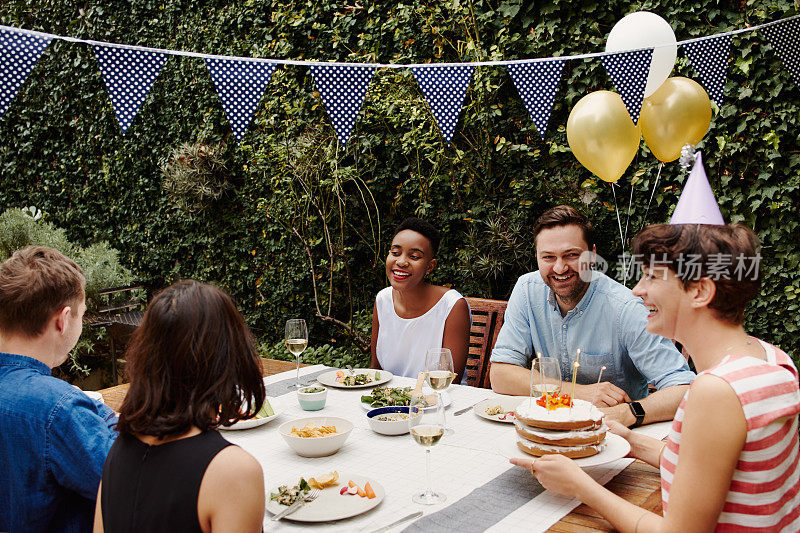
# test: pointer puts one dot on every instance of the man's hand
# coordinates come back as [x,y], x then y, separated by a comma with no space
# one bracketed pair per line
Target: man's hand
[608,394]
[619,413]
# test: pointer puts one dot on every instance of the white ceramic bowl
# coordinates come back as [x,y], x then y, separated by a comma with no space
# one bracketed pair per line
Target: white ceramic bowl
[312,401]
[388,427]
[316,446]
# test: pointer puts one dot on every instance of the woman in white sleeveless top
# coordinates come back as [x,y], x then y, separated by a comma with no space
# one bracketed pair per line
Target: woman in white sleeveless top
[411,315]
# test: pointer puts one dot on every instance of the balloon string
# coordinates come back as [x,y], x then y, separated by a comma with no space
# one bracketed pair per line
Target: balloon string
[652,193]
[619,223]
[627,220]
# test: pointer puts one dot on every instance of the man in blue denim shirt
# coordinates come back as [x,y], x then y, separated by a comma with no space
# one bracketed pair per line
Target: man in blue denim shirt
[565,306]
[53,438]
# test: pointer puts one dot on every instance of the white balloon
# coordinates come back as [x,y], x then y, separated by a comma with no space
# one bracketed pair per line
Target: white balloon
[642,30]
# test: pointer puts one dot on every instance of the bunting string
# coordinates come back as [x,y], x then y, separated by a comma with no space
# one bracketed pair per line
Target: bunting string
[130,71]
[301,62]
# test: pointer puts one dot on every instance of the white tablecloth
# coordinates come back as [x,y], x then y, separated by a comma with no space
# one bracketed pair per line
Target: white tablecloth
[461,465]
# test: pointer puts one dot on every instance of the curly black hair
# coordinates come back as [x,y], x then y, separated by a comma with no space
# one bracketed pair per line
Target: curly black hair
[425,229]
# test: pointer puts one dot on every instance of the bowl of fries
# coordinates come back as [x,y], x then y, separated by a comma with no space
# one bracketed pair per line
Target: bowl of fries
[316,436]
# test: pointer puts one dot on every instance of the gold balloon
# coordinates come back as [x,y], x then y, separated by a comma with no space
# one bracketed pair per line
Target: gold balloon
[601,134]
[678,113]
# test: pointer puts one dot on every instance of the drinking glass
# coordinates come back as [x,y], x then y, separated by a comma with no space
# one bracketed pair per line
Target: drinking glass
[296,338]
[439,374]
[427,428]
[548,380]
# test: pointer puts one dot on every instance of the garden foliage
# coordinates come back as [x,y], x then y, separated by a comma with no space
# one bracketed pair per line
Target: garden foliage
[99,261]
[293,193]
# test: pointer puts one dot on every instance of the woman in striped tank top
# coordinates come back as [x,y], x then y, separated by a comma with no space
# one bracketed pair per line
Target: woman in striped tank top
[730,462]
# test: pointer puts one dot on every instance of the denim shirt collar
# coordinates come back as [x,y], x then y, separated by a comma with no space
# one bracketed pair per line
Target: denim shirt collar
[23,361]
[583,304]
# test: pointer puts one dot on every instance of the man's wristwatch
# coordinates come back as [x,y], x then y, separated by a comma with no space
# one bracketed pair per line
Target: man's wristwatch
[638,412]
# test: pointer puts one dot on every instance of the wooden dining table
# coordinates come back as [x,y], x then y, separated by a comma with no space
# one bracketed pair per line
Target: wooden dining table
[639,483]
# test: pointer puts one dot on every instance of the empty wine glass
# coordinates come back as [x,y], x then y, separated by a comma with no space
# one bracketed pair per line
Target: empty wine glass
[427,428]
[296,338]
[439,374]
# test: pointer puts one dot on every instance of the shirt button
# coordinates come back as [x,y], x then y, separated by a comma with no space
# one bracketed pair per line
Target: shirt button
[580,313]
[565,326]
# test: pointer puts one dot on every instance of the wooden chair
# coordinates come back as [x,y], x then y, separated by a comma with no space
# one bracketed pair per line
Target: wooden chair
[487,319]
[121,312]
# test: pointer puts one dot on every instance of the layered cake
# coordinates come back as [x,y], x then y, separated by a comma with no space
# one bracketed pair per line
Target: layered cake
[548,425]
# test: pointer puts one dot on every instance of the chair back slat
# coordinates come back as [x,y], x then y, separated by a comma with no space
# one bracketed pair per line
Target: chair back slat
[487,319]
[121,311]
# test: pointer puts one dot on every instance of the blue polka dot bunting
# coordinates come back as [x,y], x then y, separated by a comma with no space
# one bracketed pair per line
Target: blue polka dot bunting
[129,74]
[342,89]
[785,40]
[710,60]
[444,89]
[240,84]
[628,71]
[537,84]
[19,53]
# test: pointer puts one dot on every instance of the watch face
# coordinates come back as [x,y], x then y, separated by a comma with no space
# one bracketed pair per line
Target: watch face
[637,409]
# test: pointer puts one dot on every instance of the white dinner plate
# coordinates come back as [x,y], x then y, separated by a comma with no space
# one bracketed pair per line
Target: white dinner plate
[329,378]
[330,505]
[255,422]
[508,403]
[446,400]
[616,448]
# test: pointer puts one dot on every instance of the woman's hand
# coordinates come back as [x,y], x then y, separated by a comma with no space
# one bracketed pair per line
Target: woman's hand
[619,429]
[644,448]
[557,473]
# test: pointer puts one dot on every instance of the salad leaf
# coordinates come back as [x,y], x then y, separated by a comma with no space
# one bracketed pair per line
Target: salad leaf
[386,396]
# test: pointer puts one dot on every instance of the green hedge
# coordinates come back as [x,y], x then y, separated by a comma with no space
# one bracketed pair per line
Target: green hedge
[61,149]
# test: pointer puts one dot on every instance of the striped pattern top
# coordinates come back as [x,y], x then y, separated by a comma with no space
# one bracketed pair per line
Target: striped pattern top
[763,494]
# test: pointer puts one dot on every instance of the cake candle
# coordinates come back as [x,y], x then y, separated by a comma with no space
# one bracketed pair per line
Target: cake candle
[530,395]
[574,376]
[594,397]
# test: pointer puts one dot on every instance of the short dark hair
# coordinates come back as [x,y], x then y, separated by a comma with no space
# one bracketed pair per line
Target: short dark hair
[426,229]
[192,362]
[712,247]
[564,215]
[35,283]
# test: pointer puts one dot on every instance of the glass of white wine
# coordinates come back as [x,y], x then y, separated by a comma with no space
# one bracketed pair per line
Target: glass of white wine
[427,428]
[296,338]
[439,374]
[546,377]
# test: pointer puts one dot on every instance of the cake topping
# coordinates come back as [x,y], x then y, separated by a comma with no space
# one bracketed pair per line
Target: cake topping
[552,402]
[537,411]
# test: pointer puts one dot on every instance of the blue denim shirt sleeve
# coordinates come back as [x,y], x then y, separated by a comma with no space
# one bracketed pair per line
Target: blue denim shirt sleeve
[515,335]
[80,434]
[654,356]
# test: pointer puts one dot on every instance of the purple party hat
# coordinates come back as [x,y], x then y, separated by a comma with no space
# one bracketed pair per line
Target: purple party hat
[697,204]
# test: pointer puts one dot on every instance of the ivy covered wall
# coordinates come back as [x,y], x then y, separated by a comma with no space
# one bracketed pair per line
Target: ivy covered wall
[293,193]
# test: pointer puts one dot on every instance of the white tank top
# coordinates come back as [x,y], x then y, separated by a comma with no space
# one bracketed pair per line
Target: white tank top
[404,342]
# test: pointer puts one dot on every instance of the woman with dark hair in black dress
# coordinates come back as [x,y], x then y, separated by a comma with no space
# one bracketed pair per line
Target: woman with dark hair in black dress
[193,367]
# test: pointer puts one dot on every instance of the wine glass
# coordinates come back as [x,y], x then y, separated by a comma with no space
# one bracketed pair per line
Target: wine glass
[439,374]
[296,338]
[427,428]
[545,377]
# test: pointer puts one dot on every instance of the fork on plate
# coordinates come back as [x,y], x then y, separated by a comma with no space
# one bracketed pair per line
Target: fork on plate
[298,504]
